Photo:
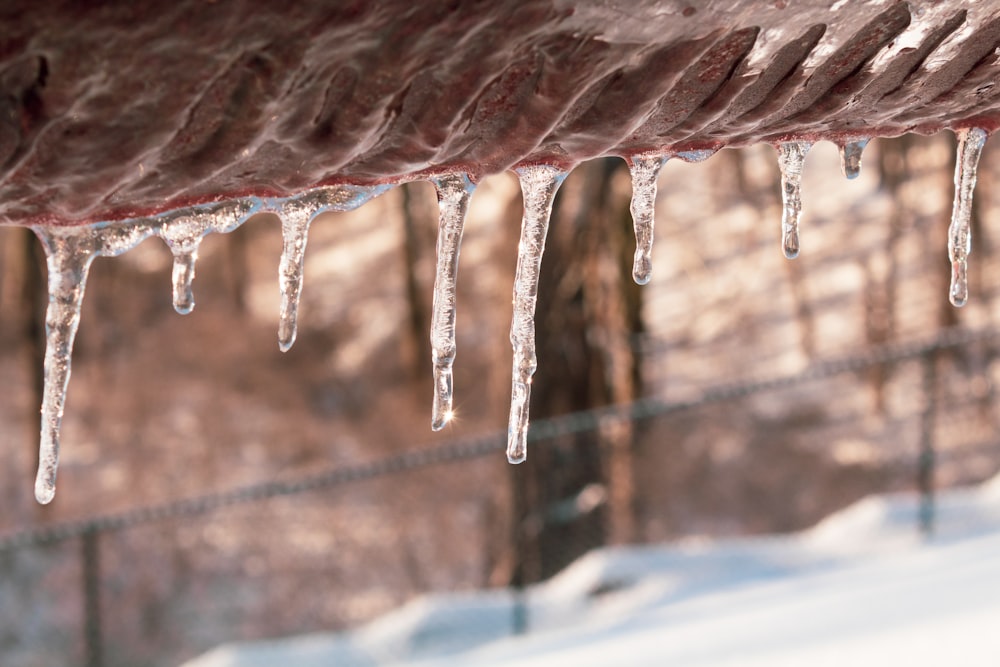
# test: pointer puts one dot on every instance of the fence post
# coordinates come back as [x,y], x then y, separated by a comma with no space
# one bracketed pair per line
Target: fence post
[92,596]
[926,460]
[519,576]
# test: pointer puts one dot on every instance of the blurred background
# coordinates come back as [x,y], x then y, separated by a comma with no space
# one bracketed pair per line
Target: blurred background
[756,395]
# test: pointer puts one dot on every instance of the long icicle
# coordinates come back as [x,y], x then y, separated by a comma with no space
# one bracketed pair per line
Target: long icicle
[68,256]
[644,170]
[791,156]
[453,193]
[539,185]
[294,232]
[970,147]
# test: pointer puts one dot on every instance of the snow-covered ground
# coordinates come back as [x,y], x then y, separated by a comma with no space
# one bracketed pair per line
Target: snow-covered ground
[860,588]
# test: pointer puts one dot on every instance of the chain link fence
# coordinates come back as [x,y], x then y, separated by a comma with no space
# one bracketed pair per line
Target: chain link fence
[157,585]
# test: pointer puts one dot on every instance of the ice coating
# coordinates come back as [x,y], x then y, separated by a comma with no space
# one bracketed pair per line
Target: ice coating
[539,184]
[645,170]
[791,156]
[970,147]
[453,193]
[393,91]
[850,157]
[697,155]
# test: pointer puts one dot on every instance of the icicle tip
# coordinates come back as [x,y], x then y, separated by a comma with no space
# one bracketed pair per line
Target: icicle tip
[516,456]
[44,491]
[850,158]
[442,420]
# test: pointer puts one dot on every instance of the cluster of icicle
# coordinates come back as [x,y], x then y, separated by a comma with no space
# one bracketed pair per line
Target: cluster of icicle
[791,156]
[71,250]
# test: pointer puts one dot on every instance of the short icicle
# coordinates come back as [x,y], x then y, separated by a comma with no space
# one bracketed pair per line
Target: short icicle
[453,193]
[970,147]
[791,156]
[69,256]
[644,170]
[539,184]
[183,276]
[294,233]
[296,214]
[183,233]
[850,158]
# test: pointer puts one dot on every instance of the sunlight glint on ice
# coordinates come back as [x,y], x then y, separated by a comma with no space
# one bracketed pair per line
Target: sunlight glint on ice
[453,193]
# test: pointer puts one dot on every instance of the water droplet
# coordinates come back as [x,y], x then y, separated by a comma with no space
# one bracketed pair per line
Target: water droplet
[539,184]
[791,156]
[850,157]
[645,170]
[453,192]
[970,147]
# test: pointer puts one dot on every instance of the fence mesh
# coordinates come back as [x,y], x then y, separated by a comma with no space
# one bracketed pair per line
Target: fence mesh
[332,550]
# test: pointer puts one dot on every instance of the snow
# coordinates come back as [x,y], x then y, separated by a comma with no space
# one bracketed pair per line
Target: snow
[860,588]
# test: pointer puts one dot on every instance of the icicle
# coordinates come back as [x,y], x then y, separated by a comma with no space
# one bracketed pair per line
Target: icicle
[453,193]
[644,170]
[296,215]
[850,158]
[538,187]
[69,255]
[183,233]
[791,155]
[328,198]
[970,147]
[71,250]
[183,275]
[294,234]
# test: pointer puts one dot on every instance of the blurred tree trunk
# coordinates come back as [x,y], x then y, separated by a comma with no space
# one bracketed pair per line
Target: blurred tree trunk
[882,272]
[34,300]
[577,492]
[416,223]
